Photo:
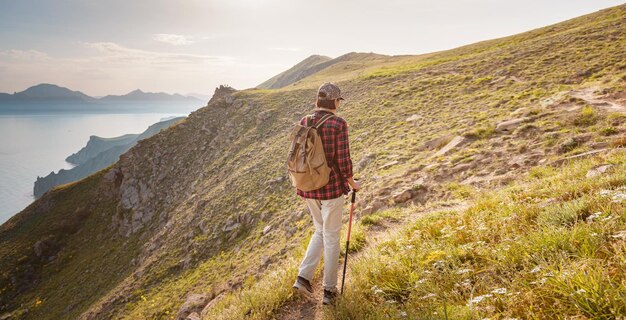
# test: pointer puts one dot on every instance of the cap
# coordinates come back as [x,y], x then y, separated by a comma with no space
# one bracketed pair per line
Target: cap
[329,91]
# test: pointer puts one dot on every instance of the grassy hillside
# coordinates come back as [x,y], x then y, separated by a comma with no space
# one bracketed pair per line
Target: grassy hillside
[301,70]
[552,245]
[204,207]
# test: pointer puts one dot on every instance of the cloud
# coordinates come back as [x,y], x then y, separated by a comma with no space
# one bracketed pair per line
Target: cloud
[174,39]
[116,53]
[24,55]
[285,49]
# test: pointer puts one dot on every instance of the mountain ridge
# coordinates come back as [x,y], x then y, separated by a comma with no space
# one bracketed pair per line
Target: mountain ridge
[47,91]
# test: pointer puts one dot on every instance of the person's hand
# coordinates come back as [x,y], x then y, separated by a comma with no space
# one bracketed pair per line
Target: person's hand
[356,186]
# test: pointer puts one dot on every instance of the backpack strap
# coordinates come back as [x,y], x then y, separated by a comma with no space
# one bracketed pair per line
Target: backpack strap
[324,118]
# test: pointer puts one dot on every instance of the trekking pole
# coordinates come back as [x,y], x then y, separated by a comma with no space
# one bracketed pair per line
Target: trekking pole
[345,261]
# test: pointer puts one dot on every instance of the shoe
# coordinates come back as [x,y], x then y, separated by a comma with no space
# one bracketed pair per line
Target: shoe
[303,286]
[329,297]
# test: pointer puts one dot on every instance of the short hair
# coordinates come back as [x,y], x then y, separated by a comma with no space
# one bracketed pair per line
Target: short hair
[325,104]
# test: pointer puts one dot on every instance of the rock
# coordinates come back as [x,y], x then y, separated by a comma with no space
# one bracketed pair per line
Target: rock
[455,142]
[291,231]
[414,117]
[461,167]
[510,125]
[265,260]
[518,111]
[193,316]
[207,308]
[403,196]
[367,210]
[204,226]
[435,143]
[194,303]
[231,227]
[267,229]
[7,316]
[388,164]
[45,247]
[277,180]
[599,170]
[365,161]
[130,196]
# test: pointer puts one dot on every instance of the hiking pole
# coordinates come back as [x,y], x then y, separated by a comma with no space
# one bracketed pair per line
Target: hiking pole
[345,261]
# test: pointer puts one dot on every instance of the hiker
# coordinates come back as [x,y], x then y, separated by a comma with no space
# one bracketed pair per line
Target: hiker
[326,203]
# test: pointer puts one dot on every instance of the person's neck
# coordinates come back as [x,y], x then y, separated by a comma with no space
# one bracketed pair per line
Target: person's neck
[327,110]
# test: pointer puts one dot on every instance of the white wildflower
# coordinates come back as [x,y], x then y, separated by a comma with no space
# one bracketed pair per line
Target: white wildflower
[480,298]
[620,235]
[499,291]
[428,296]
[594,216]
[463,271]
[376,289]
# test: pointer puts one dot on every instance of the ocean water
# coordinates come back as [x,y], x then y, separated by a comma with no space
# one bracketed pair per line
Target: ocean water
[34,145]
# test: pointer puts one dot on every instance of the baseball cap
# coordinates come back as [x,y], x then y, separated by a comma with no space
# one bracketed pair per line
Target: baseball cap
[329,91]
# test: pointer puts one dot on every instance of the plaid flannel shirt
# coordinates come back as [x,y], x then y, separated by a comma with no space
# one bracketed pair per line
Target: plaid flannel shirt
[334,135]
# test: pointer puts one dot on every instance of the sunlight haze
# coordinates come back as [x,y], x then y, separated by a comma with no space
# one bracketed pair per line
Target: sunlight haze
[114,47]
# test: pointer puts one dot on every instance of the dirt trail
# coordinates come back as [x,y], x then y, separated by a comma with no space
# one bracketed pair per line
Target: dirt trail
[302,308]
[589,96]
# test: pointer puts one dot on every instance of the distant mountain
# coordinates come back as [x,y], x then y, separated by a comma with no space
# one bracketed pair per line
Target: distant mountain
[96,145]
[301,70]
[97,154]
[46,92]
[141,96]
[55,94]
[315,63]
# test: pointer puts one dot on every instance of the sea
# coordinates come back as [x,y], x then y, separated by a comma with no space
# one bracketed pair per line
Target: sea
[35,144]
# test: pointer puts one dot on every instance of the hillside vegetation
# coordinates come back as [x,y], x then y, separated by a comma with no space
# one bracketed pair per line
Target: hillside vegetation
[201,219]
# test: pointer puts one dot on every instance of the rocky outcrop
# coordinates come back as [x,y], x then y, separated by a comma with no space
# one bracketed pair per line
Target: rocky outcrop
[193,304]
[510,125]
[113,148]
[454,143]
[96,144]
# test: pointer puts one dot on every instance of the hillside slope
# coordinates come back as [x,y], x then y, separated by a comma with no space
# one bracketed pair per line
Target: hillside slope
[301,70]
[201,217]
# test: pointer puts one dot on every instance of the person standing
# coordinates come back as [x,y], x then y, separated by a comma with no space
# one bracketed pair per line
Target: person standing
[326,203]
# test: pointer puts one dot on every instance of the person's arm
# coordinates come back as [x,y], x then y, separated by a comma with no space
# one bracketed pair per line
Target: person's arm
[343,158]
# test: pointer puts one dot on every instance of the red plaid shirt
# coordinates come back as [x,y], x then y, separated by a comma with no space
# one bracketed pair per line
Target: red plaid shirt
[334,135]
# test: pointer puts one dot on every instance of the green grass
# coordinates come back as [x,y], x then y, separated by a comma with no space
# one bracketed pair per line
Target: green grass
[548,246]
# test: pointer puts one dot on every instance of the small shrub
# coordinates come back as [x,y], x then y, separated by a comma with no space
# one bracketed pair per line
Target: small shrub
[371,220]
[569,145]
[484,132]
[608,131]
[586,117]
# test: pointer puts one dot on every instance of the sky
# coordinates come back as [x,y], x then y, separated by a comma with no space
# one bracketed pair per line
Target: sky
[193,46]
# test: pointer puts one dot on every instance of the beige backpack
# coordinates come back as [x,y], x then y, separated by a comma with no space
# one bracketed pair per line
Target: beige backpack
[306,162]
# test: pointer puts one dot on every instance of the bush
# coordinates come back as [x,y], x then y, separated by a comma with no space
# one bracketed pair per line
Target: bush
[608,131]
[586,117]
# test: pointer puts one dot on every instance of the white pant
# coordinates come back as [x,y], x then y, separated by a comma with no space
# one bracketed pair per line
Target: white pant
[326,216]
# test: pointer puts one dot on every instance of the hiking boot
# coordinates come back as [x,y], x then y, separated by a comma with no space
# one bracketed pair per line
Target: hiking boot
[329,297]
[303,286]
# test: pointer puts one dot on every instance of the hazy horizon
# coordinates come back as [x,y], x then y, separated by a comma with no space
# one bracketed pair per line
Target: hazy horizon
[114,47]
